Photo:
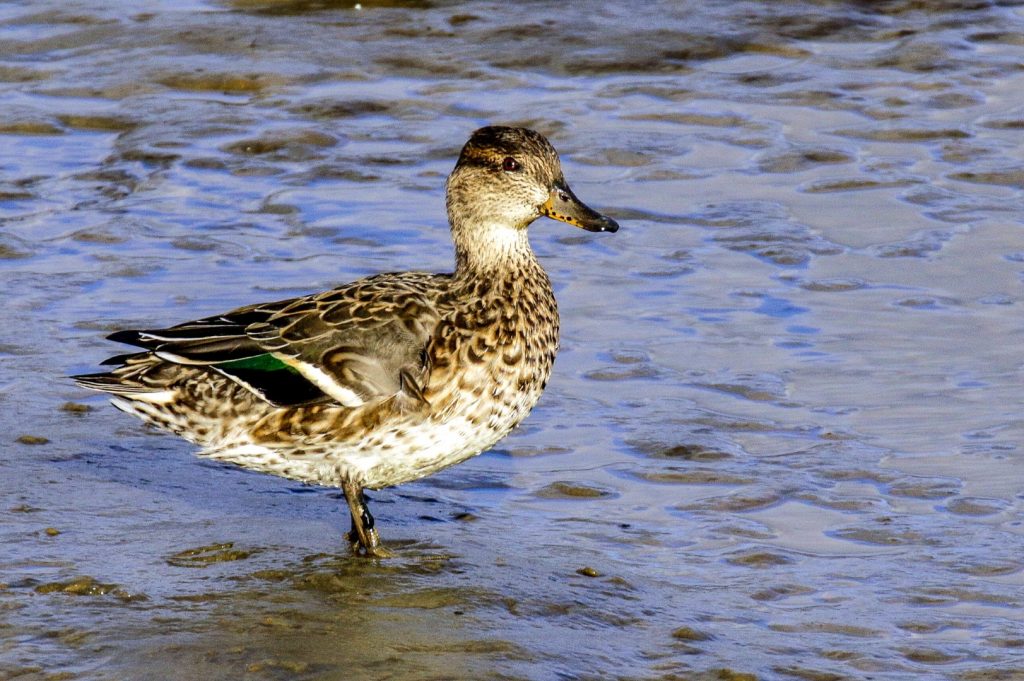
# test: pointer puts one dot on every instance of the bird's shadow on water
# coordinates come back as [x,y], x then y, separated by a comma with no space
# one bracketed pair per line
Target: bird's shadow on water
[281,612]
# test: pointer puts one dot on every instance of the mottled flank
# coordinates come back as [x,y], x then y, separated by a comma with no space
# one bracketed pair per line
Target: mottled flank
[389,378]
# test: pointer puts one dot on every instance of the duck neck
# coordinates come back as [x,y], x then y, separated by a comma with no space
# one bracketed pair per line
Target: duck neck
[492,251]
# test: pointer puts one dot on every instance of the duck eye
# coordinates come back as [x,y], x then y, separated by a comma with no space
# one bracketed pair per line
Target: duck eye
[510,164]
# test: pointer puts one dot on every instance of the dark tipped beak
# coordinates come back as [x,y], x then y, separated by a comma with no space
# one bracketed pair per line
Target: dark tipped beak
[563,205]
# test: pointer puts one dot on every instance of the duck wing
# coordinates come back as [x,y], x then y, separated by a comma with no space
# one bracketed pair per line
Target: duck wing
[350,345]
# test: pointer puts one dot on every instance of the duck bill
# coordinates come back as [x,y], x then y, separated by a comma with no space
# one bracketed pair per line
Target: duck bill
[563,205]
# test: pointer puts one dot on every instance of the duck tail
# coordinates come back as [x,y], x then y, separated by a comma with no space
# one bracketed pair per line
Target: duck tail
[110,383]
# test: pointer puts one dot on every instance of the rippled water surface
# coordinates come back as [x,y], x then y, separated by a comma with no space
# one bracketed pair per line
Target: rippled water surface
[783,439]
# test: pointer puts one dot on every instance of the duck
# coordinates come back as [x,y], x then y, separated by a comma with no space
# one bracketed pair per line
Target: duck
[386,379]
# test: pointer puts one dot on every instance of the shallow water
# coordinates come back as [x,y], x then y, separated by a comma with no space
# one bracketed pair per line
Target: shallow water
[783,436]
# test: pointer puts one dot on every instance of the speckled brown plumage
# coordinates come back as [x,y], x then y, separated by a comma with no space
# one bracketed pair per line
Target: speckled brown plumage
[389,378]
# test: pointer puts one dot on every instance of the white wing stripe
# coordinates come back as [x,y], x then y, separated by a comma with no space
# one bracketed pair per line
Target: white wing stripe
[324,381]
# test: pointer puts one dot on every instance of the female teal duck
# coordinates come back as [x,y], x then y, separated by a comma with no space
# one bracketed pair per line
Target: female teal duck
[387,379]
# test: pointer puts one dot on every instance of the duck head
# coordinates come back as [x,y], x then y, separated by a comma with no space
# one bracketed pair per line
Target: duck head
[507,178]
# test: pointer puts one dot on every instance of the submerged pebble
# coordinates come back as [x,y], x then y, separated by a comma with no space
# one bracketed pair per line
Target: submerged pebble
[88,586]
[690,634]
[204,556]
[572,490]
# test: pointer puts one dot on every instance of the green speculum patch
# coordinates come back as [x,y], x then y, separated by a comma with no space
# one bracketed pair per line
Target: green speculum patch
[265,362]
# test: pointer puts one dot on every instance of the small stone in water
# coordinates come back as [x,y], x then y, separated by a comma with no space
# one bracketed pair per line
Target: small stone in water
[690,634]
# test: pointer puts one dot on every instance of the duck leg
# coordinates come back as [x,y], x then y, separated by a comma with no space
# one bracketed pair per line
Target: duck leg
[363,536]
